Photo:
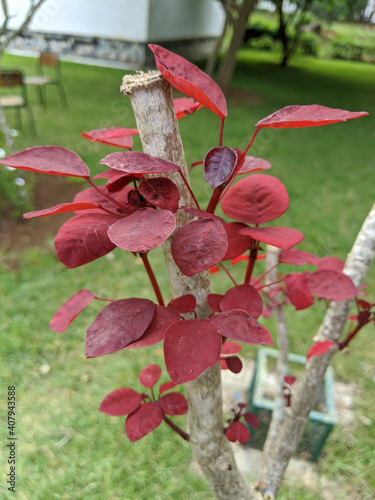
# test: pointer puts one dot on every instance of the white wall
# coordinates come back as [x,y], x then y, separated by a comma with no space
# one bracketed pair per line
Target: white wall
[133,20]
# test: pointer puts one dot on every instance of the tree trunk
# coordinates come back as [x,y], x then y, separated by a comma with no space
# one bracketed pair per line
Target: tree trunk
[151,98]
[228,63]
[357,266]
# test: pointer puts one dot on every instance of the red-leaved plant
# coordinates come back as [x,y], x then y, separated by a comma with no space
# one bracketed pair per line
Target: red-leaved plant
[136,211]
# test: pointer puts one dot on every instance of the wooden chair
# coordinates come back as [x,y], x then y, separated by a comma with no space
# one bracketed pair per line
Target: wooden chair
[13,79]
[47,60]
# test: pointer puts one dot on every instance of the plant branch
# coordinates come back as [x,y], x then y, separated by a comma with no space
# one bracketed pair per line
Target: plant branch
[152,277]
[176,428]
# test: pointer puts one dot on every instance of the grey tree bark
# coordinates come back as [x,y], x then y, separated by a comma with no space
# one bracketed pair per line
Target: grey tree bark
[152,102]
[357,265]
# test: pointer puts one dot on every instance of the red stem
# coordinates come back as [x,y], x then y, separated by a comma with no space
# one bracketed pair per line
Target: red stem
[221,132]
[177,429]
[352,334]
[151,275]
[189,188]
[265,274]
[251,261]
[118,204]
[228,273]
[215,198]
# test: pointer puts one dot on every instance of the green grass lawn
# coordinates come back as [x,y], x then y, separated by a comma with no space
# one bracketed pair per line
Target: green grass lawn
[66,448]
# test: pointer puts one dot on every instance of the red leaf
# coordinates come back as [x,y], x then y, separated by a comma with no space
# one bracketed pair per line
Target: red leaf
[144,420]
[313,115]
[70,310]
[280,237]
[117,325]
[332,263]
[238,325]
[256,199]
[143,230]
[229,348]
[214,300]
[53,160]
[331,285]
[202,214]
[190,347]
[134,162]
[91,195]
[319,348]
[237,431]
[234,364]
[161,192]
[61,209]
[252,164]
[251,419]
[184,106]
[243,297]
[162,320]
[199,245]
[166,386]
[184,304]
[214,269]
[218,165]
[297,257]
[113,136]
[190,80]
[83,239]
[150,375]
[173,403]
[241,258]
[298,290]
[121,402]
[237,243]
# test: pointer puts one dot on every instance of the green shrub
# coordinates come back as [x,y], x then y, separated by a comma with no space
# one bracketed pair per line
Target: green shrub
[15,193]
[308,44]
[342,49]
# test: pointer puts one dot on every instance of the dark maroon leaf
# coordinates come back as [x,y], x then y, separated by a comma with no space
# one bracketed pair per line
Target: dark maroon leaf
[243,297]
[332,263]
[143,230]
[162,320]
[83,239]
[161,192]
[313,115]
[190,80]
[298,290]
[121,402]
[190,347]
[61,209]
[144,420]
[218,165]
[117,325]
[234,364]
[166,386]
[184,106]
[214,300]
[184,304]
[230,348]
[237,243]
[70,310]
[297,257]
[199,245]
[118,182]
[173,403]
[150,375]
[251,419]
[237,431]
[202,214]
[319,348]
[332,285]
[256,199]
[280,237]
[252,164]
[240,326]
[53,160]
[135,162]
